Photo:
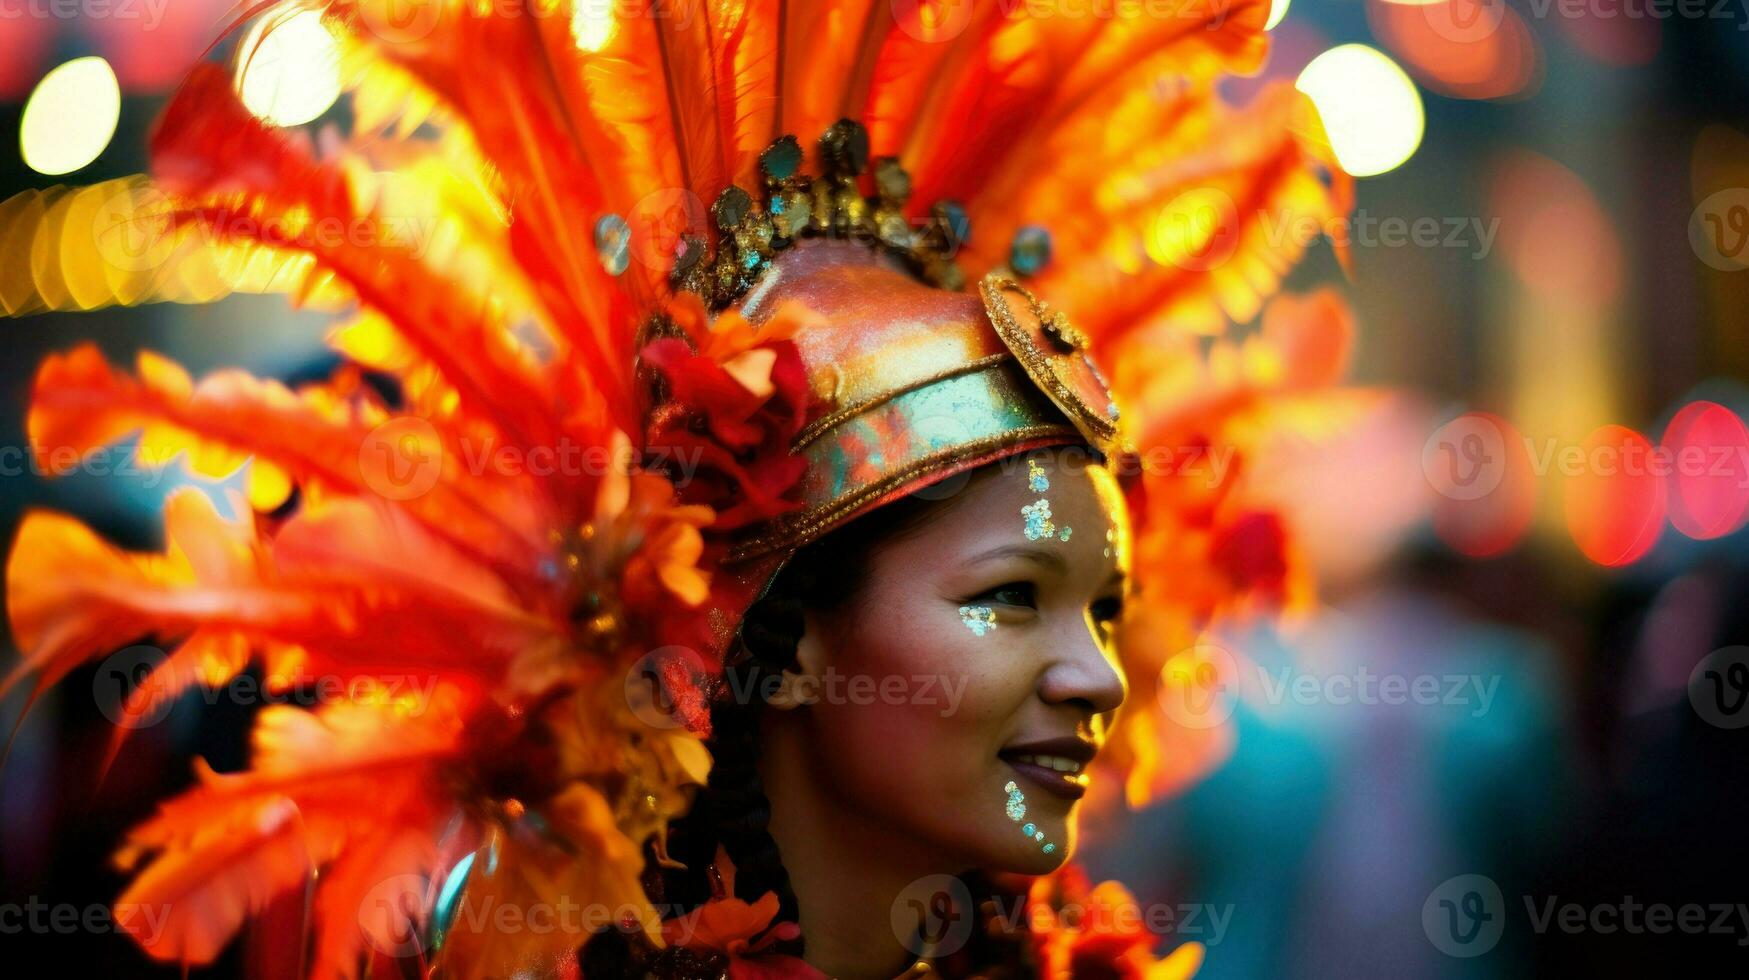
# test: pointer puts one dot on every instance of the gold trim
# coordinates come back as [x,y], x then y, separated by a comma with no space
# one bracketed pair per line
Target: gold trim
[1037,364]
[819,426]
[805,528]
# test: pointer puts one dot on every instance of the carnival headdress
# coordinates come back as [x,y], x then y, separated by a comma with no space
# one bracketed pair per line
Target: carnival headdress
[820,253]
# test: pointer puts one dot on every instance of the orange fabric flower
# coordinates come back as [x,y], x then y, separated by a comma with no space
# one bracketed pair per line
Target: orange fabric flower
[741,931]
[1097,933]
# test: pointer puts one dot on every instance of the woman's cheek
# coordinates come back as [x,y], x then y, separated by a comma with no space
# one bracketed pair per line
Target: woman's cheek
[873,727]
[925,742]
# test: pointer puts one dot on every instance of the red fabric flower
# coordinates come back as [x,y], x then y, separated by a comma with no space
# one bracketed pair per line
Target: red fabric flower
[725,430]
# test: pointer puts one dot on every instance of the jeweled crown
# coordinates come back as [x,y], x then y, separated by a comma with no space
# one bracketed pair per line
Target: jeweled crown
[796,205]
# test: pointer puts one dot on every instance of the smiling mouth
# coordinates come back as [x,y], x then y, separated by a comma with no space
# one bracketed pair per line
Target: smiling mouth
[1059,767]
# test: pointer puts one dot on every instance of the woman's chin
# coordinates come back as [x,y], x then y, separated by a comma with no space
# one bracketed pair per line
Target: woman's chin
[1037,863]
[1027,856]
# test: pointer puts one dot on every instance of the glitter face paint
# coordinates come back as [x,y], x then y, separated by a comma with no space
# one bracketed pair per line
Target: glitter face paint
[978,619]
[1038,520]
[1016,810]
[1038,513]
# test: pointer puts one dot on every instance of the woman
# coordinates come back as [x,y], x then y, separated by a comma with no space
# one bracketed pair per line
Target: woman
[910,780]
[929,677]
[862,525]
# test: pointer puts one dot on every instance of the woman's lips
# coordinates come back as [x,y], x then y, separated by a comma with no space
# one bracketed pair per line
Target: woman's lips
[1040,771]
[1056,765]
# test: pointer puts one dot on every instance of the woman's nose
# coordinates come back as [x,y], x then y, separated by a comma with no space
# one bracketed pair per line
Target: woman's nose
[1085,670]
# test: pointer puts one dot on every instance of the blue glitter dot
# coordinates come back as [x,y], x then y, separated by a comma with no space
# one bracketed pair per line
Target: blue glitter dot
[1028,829]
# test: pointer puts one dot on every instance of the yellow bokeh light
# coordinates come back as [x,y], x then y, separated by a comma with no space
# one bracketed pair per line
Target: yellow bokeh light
[1193,230]
[1369,106]
[71,117]
[1277,10]
[592,25]
[288,69]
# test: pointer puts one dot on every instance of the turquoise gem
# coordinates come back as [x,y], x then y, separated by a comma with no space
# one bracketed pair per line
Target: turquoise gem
[1031,250]
[613,243]
[782,158]
[731,208]
[1049,848]
[955,224]
[1028,829]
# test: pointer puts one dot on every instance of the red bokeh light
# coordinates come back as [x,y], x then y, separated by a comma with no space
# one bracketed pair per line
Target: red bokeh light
[26,43]
[1709,481]
[1468,49]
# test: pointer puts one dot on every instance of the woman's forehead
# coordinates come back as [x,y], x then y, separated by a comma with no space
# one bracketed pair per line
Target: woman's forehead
[1044,498]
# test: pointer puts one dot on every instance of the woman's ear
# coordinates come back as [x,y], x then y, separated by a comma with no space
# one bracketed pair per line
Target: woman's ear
[811,655]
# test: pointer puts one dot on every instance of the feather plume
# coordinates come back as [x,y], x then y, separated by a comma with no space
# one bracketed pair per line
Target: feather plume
[520,138]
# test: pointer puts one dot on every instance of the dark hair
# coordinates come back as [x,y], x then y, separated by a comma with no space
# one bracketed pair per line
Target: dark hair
[732,810]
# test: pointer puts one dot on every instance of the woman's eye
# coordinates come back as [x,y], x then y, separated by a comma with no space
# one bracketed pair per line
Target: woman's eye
[1107,610]
[1013,594]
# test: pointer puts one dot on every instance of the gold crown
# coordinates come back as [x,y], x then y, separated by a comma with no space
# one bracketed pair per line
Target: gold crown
[797,206]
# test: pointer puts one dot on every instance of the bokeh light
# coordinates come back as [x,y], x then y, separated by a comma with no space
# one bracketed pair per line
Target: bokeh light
[1468,49]
[1277,10]
[1615,497]
[1485,524]
[288,69]
[151,53]
[26,41]
[1614,37]
[71,117]
[1369,107]
[1708,447]
[1554,232]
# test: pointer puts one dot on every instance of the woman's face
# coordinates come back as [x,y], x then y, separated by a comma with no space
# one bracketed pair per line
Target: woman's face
[981,642]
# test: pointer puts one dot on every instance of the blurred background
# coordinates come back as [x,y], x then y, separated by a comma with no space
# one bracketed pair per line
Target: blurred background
[1513,731]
